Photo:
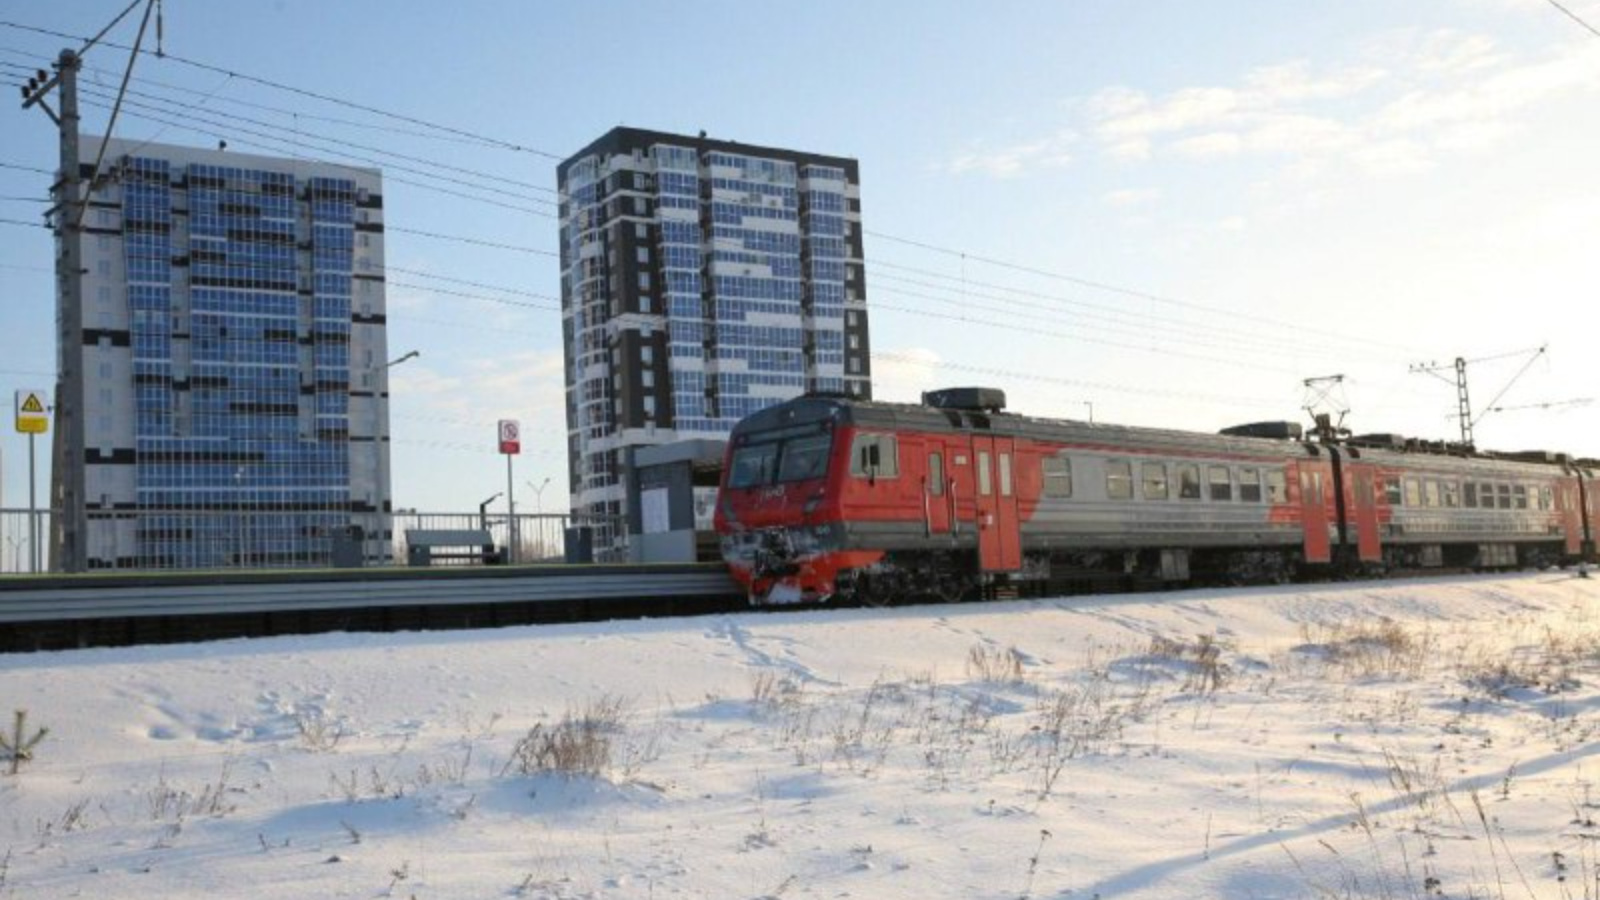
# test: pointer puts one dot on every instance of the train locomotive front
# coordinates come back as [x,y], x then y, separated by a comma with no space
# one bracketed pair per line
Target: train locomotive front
[778,512]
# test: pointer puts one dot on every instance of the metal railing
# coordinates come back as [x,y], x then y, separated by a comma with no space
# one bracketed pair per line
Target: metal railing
[168,540]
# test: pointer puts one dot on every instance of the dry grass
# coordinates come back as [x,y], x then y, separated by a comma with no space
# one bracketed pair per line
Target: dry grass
[996,665]
[580,744]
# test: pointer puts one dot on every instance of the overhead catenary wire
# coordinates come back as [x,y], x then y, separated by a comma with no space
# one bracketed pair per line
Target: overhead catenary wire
[191,119]
[495,180]
[245,142]
[315,95]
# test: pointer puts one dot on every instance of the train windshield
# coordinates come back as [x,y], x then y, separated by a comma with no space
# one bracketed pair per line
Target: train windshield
[780,461]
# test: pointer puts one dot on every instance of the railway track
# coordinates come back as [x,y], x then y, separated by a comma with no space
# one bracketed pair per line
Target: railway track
[115,609]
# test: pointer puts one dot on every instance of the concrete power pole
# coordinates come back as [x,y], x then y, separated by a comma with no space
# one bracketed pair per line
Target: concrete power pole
[70,197]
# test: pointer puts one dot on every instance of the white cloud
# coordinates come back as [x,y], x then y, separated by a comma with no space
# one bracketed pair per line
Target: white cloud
[1214,144]
[1132,197]
[1436,93]
[1006,162]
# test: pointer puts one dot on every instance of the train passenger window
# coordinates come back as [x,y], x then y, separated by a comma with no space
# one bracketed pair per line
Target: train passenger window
[1413,492]
[1005,474]
[1277,487]
[1154,476]
[883,463]
[1250,485]
[1057,476]
[1188,481]
[1519,496]
[1221,482]
[1469,494]
[1119,479]
[1504,492]
[1450,494]
[1391,490]
[936,474]
[985,479]
[1430,493]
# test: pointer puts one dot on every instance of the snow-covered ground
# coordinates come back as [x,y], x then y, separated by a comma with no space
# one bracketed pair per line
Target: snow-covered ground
[1387,740]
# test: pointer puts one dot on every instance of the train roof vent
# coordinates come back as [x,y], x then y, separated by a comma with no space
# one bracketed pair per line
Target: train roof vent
[974,398]
[1281,431]
[1537,456]
[1386,440]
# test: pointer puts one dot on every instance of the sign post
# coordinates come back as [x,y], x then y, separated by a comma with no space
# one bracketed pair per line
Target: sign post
[33,419]
[510,445]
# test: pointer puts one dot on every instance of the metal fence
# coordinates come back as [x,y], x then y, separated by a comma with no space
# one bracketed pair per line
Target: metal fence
[247,539]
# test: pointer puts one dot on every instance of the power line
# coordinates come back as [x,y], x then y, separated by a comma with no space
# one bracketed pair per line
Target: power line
[1114,289]
[469,240]
[1574,17]
[388,178]
[190,119]
[6,165]
[184,108]
[266,82]
[265,107]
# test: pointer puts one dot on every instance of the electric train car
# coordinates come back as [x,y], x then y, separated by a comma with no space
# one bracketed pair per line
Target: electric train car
[829,497]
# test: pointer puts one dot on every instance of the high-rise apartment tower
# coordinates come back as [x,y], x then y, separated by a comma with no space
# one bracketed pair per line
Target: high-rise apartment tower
[701,281]
[221,392]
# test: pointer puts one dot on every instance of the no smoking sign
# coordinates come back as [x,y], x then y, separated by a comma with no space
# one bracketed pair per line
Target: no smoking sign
[510,437]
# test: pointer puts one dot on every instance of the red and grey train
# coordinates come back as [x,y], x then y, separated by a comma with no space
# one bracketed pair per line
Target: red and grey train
[827,497]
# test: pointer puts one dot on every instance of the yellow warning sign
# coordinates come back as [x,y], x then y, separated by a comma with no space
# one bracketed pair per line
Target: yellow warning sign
[33,415]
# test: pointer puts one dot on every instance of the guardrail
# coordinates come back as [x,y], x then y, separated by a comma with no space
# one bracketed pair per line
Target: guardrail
[46,612]
[239,539]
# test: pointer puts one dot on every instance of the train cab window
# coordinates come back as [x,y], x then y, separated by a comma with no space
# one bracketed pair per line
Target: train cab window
[1450,494]
[1504,493]
[1277,487]
[1519,496]
[1119,479]
[985,479]
[1188,481]
[754,465]
[1154,476]
[875,455]
[936,474]
[805,458]
[1413,492]
[1221,482]
[1005,474]
[1057,476]
[1391,491]
[1430,493]
[1249,485]
[1469,494]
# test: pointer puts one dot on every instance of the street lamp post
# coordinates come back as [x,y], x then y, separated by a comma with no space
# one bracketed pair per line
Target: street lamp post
[380,471]
[538,495]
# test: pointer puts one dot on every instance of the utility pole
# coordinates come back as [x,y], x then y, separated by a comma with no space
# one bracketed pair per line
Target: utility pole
[70,203]
[67,498]
[1463,400]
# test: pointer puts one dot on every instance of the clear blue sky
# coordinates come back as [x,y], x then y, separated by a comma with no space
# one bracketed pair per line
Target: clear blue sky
[1274,191]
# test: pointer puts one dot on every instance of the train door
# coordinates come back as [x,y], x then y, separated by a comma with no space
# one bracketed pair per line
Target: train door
[1569,501]
[994,467]
[1364,506]
[936,493]
[1314,485]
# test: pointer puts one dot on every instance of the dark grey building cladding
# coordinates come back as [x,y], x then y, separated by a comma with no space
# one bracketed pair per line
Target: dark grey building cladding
[625,140]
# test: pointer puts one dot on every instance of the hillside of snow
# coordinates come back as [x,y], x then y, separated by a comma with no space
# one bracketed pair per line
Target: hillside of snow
[1427,738]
